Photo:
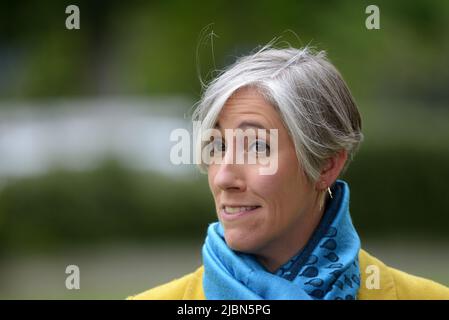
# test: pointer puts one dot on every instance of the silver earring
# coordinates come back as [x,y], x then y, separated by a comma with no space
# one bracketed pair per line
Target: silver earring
[330,192]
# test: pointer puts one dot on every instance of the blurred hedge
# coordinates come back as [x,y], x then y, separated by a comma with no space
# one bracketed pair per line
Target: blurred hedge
[107,204]
[400,190]
[150,47]
[394,190]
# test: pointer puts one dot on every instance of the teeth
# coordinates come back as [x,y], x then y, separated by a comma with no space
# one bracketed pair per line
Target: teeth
[234,210]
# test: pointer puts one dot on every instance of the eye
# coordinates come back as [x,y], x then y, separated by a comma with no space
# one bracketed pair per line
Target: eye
[217,146]
[259,146]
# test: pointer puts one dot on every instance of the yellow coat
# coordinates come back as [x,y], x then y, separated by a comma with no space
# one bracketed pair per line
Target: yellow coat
[393,285]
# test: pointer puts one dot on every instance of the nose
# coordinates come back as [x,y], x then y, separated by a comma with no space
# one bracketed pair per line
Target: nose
[230,176]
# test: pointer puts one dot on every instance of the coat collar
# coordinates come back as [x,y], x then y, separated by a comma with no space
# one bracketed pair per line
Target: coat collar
[387,288]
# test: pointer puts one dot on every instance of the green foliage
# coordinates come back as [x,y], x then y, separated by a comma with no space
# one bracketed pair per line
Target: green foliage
[148,47]
[399,190]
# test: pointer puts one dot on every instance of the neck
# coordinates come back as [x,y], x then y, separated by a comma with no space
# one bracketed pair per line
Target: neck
[281,251]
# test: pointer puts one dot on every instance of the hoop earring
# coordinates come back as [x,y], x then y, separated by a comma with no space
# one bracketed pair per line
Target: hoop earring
[330,192]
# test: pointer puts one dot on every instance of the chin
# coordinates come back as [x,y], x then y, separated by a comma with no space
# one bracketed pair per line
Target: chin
[241,242]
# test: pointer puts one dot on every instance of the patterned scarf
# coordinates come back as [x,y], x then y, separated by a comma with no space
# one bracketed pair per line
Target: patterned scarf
[325,268]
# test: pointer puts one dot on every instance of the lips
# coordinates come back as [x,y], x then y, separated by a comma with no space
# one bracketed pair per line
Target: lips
[239,209]
[232,212]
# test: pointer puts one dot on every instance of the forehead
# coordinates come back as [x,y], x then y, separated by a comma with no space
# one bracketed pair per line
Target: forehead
[249,104]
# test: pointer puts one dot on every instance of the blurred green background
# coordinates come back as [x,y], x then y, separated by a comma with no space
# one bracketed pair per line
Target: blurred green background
[85,117]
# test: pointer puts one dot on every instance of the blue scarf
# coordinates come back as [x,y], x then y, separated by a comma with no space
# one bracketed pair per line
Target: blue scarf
[326,267]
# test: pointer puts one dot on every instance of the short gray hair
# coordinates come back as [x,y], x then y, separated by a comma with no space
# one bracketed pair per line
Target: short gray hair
[309,93]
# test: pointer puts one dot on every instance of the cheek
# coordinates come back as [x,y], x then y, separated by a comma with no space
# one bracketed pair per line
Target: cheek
[285,180]
[265,185]
[270,188]
[281,191]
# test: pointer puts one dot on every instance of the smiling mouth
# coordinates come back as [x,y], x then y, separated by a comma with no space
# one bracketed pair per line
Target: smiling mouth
[234,210]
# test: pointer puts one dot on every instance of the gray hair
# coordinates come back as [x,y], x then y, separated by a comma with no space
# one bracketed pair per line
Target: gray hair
[309,94]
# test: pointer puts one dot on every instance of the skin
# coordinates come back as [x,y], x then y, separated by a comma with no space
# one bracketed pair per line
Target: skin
[289,210]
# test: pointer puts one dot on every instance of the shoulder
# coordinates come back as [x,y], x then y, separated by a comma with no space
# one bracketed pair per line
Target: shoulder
[413,287]
[188,287]
[395,284]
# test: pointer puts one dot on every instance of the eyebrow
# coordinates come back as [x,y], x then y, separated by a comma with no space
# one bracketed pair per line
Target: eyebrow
[245,124]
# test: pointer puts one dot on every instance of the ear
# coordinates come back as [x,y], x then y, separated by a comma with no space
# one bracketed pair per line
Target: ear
[331,170]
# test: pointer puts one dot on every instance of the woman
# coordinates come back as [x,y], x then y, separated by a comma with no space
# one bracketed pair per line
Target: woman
[286,234]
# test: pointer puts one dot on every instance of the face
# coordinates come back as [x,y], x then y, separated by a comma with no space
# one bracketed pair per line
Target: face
[261,214]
